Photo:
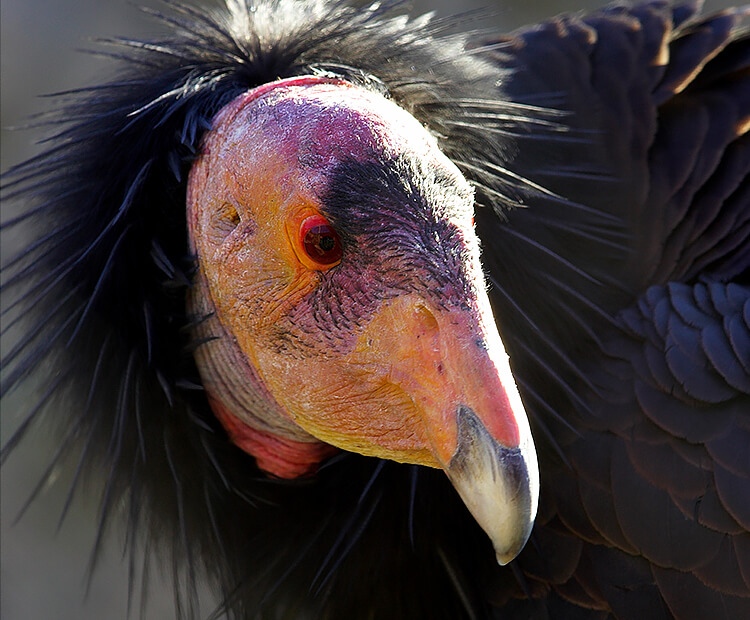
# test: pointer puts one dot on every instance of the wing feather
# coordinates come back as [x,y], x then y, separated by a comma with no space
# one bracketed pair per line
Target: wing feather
[658,98]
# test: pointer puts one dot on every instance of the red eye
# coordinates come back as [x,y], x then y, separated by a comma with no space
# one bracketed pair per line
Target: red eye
[321,242]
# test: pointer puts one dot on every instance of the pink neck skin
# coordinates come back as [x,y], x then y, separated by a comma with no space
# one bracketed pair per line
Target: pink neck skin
[281,457]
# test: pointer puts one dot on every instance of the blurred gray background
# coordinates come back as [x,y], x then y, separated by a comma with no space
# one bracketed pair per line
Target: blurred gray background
[43,573]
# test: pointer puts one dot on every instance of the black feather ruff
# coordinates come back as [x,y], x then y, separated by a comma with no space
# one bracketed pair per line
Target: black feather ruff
[101,291]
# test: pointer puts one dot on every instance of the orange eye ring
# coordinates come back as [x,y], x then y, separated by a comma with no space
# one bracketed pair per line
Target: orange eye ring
[320,242]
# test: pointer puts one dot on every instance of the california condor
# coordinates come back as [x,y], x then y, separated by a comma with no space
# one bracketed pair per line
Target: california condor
[255,252]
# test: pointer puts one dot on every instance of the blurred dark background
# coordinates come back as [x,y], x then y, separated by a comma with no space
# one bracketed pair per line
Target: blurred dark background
[43,572]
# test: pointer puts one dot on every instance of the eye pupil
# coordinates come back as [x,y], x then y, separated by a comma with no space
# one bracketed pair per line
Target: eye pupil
[327,243]
[321,242]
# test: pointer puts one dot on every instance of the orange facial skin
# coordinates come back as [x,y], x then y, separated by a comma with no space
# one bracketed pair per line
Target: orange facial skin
[393,394]
[378,349]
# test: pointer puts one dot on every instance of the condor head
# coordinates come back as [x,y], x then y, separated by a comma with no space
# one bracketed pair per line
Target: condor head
[344,300]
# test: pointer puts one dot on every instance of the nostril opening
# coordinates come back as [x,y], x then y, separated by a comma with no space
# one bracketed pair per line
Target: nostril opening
[426,319]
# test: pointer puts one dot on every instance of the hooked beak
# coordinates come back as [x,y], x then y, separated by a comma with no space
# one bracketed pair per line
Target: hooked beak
[453,366]
[494,484]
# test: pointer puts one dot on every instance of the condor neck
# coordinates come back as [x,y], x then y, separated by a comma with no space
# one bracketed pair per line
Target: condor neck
[239,399]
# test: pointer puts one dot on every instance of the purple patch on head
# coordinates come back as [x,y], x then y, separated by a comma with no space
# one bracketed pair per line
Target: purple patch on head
[320,122]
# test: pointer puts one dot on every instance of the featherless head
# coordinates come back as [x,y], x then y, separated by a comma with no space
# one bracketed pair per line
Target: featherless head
[338,263]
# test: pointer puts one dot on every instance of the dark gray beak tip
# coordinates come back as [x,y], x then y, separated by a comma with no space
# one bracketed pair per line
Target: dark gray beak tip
[499,485]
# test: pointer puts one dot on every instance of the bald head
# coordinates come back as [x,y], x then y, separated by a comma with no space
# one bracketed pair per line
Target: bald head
[340,268]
